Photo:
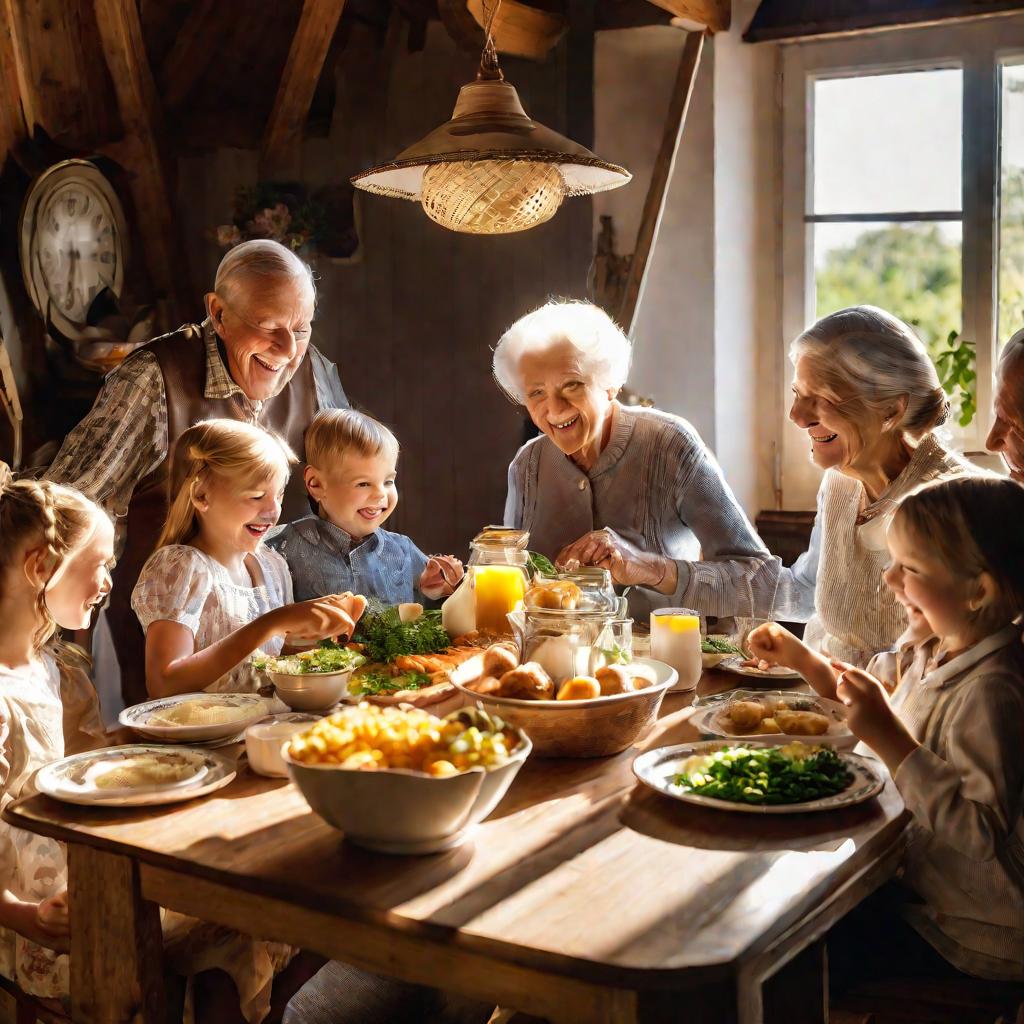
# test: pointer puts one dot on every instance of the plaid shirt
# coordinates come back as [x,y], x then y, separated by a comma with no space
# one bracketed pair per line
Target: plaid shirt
[123,438]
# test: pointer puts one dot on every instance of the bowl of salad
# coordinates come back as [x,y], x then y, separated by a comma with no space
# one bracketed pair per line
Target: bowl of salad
[715,649]
[312,680]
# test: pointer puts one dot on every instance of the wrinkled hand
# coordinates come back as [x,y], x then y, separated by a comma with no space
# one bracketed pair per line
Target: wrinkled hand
[871,717]
[441,575]
[54,922]
[629,565]
[775,644]
[334,615]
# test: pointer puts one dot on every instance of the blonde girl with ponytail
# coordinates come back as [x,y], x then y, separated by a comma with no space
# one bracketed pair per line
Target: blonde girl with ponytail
[212,593]
[54,571]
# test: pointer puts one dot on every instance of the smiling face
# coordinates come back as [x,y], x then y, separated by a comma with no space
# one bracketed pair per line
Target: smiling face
[837,440]
[935,600]
[265,327]
[564,401]
[238,517]
[81,583]
[1007,434]
[357,492]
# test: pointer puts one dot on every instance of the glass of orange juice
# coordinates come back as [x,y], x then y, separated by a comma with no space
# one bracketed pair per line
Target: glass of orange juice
[675,640]
[498,589]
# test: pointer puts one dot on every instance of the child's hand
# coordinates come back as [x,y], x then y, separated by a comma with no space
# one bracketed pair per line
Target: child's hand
[775,644]
[54,923]
[441,575]
[332,616]
[871,717]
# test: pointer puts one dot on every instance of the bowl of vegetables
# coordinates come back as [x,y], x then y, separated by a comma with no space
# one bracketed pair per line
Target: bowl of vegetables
[312,680]
[714,649]
[401,780]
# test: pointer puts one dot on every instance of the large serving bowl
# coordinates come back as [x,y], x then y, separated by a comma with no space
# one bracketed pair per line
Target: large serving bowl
[311,691]
[582,728]
[399,811]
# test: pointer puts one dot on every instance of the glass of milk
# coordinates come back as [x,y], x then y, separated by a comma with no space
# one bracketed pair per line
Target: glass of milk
[675,640]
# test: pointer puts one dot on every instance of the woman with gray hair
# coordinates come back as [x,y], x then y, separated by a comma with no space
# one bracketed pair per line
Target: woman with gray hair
[632,490]
[250,360]
[868,397]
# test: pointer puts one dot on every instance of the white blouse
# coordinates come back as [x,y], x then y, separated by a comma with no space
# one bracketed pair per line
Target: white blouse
[182,584]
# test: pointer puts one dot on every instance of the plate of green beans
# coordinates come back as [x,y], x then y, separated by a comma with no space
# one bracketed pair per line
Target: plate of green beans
[760,778]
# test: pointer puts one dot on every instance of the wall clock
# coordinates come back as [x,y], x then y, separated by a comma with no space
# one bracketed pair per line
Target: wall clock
[74,243]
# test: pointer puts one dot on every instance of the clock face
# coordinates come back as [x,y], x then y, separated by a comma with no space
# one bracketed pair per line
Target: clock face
[77,248]
[72,243]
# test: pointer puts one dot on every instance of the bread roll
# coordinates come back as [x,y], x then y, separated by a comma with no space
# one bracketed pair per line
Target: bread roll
[580,688]
[527,682]
[485,685]
[614,679]
[500,659]
[642,675]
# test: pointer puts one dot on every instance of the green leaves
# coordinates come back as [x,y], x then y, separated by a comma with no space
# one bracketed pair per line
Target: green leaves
[386,637]
[955,365]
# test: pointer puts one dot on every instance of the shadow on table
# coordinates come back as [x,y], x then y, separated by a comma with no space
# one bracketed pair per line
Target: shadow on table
[705,828]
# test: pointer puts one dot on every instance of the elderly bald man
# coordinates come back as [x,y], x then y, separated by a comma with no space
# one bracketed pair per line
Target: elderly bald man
[1007,434]
[250,360]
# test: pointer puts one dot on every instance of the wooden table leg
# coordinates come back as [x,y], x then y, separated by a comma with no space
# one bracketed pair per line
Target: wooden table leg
[116,943]
[798,992]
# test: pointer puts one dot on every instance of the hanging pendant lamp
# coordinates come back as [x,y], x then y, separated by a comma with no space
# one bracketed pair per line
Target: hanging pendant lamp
[491,170]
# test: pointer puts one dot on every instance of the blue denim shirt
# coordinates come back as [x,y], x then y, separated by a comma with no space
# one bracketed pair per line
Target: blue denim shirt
[323,560]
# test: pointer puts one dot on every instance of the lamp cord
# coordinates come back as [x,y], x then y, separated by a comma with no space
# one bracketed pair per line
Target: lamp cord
[489,68]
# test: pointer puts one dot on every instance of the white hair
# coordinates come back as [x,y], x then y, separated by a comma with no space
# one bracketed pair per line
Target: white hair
[1013,350]
[260,257]
[603,349]
[869,358]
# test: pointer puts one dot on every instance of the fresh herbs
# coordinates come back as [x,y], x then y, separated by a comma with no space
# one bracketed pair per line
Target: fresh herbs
[616,655]
[385,637]
[373,683]
[327,657]
[766,775]
[539,564]
[717,645]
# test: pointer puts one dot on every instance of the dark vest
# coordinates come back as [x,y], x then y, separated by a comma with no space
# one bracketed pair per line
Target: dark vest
[181,356]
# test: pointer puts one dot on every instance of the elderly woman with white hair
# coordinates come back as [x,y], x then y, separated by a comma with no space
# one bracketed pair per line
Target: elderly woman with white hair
[1007,434]
[630,489]
[250,360]
[869,398]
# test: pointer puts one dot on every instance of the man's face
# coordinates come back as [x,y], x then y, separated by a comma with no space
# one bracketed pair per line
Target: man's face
[265,326]
[1007,434]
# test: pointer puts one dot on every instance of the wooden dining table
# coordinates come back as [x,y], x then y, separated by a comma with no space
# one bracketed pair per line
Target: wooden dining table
[585,898]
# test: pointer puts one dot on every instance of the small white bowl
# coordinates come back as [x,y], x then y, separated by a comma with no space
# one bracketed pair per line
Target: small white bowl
[264,740]
[311,691]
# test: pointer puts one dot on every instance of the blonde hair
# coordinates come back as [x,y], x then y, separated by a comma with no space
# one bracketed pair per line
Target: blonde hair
[38,510]
[336,432]
[967,522]
[604,351]
[259,257]
[867,359]
[239,453]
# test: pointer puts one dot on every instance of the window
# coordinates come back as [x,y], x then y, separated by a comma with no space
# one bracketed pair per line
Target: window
[903,186]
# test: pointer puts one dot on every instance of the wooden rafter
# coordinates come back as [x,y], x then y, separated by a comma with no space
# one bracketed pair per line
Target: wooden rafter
[714,15]
[125,53]
[654,204]
[12,117]
[317,25]
[195,47]
[521,30]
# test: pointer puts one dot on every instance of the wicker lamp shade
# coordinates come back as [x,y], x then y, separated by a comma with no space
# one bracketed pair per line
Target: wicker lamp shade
[491,169]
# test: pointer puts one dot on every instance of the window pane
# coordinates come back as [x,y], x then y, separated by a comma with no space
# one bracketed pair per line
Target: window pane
[888,143]
[1011,203]
[912,270]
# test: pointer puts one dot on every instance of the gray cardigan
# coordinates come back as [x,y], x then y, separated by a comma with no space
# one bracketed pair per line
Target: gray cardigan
[658,486]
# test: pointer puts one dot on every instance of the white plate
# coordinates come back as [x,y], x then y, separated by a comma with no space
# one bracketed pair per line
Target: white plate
[657,767]
[137,717]
[705,719]
[71,779]
[735,664]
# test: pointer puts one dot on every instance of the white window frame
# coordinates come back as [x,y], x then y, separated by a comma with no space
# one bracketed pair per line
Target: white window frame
[978,48]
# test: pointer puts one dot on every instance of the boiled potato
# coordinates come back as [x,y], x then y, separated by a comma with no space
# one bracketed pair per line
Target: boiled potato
[768,726]
[745,715]
[500,659]
[614,679]
[527,682]
[802,723]
[580,688]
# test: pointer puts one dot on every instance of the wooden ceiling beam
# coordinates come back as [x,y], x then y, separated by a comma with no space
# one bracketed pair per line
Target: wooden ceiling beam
[12,115]
[125,53]
[317,26]
[194,49]
[714,15]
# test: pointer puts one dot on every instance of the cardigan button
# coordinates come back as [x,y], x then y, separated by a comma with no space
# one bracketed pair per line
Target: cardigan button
[583,485]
